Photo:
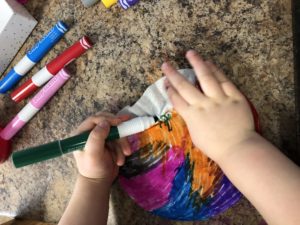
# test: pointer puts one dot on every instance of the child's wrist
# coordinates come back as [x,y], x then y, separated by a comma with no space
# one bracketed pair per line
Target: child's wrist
[106,182]
[237,150]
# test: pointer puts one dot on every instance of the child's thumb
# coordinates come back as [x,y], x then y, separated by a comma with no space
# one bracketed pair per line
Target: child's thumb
[96,140]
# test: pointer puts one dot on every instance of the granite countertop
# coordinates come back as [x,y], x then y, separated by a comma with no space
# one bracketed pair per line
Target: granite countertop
[250,39]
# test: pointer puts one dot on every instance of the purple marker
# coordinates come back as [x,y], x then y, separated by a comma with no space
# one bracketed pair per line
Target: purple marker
[128,3]
[34,105]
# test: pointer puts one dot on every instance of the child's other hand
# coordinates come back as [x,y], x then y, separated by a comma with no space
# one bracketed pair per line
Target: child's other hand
[98,160]
[219,118]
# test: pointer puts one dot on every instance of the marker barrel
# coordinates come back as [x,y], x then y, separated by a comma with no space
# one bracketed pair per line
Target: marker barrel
[51,69]
[34,105]
[33,56]
[47,42]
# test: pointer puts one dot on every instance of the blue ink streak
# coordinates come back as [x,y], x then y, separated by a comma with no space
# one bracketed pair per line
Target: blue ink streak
[184,204]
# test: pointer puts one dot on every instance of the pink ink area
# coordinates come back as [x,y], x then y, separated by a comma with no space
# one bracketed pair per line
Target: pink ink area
[160,185]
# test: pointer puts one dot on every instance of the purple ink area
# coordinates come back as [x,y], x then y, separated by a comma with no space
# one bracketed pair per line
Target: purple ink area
[227,195]
[156,183]
[134,142]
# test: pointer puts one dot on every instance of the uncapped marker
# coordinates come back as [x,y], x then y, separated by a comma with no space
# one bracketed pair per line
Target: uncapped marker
[60,147]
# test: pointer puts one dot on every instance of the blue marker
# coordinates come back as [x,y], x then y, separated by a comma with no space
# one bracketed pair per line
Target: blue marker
[33,57]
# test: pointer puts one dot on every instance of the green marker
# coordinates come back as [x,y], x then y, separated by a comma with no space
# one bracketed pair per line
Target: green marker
[58,148]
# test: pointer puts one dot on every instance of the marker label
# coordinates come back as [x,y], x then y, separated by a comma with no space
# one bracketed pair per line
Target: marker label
[47,42]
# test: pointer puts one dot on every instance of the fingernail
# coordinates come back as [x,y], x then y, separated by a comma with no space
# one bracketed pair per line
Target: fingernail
[104,124]
[192,53]
[165,65]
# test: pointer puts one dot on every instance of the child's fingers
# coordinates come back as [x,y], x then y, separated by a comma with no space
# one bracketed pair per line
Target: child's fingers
[111,116]
[92,121]
[177,101]
[96,139]
[105,114]
[125,117]
[231,90]
[228,87]
[116,152]
[208,81]
[124,145]
[120,156]
[191,94]
[217,72]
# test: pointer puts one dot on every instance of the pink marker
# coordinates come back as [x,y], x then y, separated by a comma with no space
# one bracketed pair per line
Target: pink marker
[30,110]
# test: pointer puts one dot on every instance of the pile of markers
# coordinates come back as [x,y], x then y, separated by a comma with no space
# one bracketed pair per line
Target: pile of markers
[54,75]
[125,4]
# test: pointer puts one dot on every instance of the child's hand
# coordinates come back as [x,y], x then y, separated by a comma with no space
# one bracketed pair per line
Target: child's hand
[219,118]
[98,161]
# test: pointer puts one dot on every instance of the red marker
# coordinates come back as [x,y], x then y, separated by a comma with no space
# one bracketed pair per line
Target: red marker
[51,69]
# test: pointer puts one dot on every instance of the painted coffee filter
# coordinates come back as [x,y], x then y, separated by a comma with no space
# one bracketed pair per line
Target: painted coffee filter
[166,174]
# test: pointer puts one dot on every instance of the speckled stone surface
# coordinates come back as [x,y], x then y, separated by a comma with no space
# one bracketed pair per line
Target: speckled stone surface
[250,39]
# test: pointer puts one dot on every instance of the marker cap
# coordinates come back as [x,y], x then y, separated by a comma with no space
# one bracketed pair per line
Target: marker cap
[89,3]
[5,148]
[34,155]
[69,55]
[109,3]
[128,3]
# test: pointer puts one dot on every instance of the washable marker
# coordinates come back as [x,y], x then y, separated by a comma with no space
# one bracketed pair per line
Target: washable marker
[109,3]
[60,147]
[34,105]
[51,69]
[33,56]
[128,3]
[89,3]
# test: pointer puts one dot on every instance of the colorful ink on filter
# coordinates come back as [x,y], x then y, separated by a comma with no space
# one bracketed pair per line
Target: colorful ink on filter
[51,69]
[128,3]
[33,57]
[175,179]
